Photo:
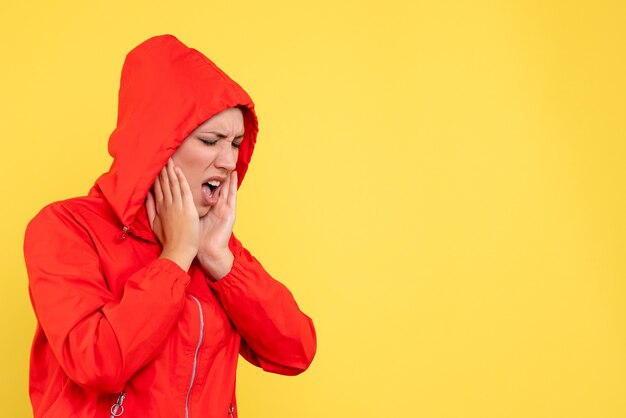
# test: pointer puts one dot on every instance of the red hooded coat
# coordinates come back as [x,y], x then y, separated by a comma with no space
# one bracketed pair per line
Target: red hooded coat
[114,318]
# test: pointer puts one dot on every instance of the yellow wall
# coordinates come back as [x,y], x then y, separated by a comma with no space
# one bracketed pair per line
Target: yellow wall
[441,184]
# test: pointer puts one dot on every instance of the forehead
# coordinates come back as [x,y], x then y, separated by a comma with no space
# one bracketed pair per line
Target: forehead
[229,120]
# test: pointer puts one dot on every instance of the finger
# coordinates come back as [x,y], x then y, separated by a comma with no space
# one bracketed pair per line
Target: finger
[174,182]
[165,186]
[151,209]
[226,187]
[232,193]
[158,191]
[184,185]
[224,191]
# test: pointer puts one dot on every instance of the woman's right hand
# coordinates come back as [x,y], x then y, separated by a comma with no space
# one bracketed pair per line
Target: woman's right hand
[173,216]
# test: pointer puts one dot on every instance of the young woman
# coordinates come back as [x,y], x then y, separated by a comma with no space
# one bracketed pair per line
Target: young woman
[143,296]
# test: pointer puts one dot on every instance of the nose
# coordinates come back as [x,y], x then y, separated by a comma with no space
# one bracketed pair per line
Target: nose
[226,157]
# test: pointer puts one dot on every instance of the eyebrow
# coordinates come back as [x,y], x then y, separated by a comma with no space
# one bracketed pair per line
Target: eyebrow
[221,135]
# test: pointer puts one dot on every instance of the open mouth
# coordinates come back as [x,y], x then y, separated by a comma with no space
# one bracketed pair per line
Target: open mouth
[212,185]
[211,191]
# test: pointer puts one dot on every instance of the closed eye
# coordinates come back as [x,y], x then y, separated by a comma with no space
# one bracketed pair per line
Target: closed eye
[208,141]
[235,144]
[237,141]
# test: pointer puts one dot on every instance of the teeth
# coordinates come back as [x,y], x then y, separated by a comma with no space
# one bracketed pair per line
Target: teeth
[214,183]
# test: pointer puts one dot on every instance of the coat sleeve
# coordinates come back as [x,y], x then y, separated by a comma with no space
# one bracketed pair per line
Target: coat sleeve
[98,340]
[276,335]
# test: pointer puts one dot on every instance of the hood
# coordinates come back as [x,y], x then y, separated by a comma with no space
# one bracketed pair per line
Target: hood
[166,91]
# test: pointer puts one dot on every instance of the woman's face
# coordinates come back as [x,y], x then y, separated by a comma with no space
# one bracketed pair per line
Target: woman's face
[209,154]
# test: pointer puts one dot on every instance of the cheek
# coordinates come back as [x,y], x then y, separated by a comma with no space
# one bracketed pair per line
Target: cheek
[194,165]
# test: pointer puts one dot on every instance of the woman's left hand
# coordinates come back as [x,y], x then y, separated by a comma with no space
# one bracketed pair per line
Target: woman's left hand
[216,228]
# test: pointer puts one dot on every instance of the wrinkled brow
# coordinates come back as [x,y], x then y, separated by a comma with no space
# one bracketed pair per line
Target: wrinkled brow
[220,134]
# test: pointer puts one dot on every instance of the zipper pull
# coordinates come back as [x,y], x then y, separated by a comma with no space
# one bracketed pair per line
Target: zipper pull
[122,235]
[231,410]
[117,409]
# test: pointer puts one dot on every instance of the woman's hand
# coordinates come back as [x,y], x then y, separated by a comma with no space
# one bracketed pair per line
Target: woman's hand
[173,216]
[216,228]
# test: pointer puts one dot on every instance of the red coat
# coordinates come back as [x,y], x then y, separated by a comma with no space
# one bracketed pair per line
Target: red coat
[112,316]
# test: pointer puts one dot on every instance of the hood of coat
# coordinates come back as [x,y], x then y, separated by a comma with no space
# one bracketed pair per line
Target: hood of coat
[166,90]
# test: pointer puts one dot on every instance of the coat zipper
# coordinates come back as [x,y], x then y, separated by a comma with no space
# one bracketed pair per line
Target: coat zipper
[195,356]
[231,410]
[117,409]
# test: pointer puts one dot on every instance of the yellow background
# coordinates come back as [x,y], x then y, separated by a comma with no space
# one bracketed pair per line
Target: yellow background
[440,183]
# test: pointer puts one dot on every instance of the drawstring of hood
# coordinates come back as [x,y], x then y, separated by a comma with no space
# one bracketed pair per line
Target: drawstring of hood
[122,235]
